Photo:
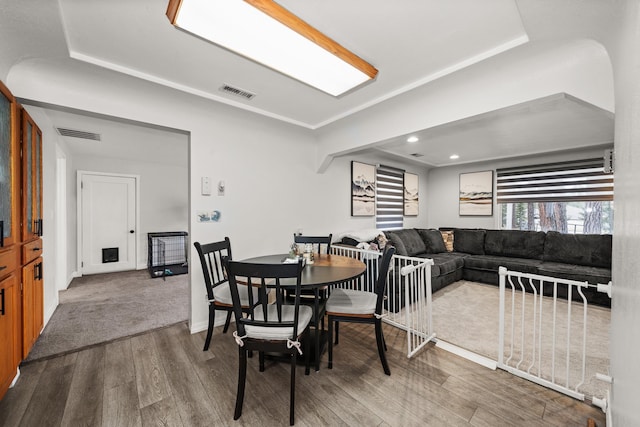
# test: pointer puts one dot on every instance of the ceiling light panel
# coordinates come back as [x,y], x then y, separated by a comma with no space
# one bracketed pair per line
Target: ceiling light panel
[242,28]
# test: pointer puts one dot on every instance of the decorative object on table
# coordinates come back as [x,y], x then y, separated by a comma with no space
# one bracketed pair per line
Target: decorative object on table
[476,193]
[349,305]
[277,327]
[363,189]
[215,280]
[411,206]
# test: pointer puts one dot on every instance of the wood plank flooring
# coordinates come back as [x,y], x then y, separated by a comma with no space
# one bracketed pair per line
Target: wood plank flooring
[163,378]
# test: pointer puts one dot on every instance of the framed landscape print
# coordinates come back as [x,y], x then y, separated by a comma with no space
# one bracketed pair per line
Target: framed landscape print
[476,193]
[411,207]
[363,189]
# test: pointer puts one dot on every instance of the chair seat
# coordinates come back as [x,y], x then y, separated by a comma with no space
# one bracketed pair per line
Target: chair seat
[222,294]
[279,333]
[349,301]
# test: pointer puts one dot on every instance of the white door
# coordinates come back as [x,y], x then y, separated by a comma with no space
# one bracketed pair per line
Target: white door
[108,223]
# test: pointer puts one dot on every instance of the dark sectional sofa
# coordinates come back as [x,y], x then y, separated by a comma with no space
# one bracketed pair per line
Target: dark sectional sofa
[478,253]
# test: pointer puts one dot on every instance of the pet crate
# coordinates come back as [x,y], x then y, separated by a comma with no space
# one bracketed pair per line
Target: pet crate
[167,253]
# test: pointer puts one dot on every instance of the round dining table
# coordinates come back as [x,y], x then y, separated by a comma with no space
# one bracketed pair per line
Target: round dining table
[326,270]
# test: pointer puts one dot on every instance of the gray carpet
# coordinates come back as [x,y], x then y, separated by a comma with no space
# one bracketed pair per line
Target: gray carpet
[466,314]
[104,307]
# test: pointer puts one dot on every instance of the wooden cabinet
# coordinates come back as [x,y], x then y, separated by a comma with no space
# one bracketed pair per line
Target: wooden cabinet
[21,284]
[10,239]
[9,169]
[32,304]
[31,178]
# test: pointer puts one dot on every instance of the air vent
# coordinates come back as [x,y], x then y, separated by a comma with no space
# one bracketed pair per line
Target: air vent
[237,91]
[79,134]
[417,155]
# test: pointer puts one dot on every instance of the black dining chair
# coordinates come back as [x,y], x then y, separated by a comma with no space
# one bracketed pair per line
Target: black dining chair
[319,244]
[348,305]
[218,294]
[274,328]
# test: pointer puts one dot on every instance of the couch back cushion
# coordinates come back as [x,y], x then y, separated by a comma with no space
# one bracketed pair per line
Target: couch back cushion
[409,239]
[432,240]
[515,243]
[582,249]
[468,241]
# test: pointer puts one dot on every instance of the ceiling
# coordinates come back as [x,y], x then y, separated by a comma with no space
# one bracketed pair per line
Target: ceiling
[136,38]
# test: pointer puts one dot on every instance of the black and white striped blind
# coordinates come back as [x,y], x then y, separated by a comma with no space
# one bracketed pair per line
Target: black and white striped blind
[578,180]
[389,197]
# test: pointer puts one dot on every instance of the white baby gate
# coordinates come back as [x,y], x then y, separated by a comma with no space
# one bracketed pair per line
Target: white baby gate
[542,337]
[408,297]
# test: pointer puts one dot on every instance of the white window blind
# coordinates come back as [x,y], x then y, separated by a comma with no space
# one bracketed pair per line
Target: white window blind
[389,197]
[578,180]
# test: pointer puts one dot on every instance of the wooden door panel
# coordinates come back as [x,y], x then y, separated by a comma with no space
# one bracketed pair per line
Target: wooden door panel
[8,323]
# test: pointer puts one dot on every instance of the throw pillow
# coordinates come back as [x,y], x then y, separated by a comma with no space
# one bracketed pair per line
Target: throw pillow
[468,241]
[397,242]
[433,241]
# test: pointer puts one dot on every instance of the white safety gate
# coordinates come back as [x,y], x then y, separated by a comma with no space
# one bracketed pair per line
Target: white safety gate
[544,333]
[408,298]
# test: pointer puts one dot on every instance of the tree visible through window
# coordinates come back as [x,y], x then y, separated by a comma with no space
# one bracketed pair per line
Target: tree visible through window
[569,197]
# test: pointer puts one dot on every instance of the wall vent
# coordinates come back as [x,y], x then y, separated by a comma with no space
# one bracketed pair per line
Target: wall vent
[79,134]
[237,91]
[417,155]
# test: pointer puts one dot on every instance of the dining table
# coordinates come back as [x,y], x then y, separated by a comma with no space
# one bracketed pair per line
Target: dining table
[326,270]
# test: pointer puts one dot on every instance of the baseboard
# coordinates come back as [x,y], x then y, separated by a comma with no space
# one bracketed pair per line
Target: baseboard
[466,354]
[15,380]
[203,326]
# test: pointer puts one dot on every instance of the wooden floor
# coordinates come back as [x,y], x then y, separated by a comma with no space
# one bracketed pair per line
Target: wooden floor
[163,378]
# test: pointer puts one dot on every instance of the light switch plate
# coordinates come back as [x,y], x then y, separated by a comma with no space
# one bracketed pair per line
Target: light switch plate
[206,186]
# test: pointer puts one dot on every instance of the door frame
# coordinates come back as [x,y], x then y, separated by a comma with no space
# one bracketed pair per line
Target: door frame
[80,174]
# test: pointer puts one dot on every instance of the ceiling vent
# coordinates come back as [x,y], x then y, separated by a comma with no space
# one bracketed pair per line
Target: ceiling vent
[79,134]
[417,155]
[237,92]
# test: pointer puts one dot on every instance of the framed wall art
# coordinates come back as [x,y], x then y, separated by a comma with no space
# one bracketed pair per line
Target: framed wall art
[363,189]
[411,207]
[476,193]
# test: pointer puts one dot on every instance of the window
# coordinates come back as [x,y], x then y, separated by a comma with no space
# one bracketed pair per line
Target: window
[389,198]
[569,197]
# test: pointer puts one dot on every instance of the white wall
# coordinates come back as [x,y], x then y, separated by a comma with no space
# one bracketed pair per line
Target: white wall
[272,187]
[443,189]
[625,305]
[164,197]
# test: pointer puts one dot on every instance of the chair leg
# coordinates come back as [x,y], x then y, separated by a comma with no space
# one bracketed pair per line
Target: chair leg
[307,350]
[227,322]
[330,328]
[212,321]
[242,376]
[261,360]
[294,358]
[381,351]
[337,331]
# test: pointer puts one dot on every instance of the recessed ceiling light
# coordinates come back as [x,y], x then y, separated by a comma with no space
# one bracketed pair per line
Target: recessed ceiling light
[413,139]
[454,157]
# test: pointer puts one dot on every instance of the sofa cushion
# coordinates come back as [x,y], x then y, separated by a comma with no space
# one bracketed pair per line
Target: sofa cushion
[396,241]
[432,240]
[593,250]
[580,273]
[515,243]
[411,241]
[447,262]
[492,263]
[468,241]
